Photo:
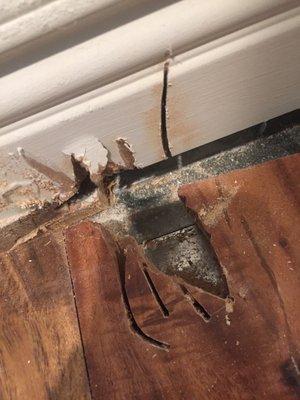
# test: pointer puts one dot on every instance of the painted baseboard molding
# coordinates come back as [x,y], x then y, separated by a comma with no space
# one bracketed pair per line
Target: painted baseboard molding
[236,68]
[29,20]
[118,52]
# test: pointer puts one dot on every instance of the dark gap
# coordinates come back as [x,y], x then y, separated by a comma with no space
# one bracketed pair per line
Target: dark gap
[290,374]
[155,293]
[108,183]
[133,324]
[262,130]
[163,113]
[203,232]
[86,187]
[150,222]
[82,179]
[80,332]
[197,306]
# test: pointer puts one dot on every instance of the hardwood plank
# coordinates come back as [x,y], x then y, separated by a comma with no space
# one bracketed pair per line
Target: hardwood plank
[239,348]
[131,354]
[253,219]
[121,363]
[132,350]
[41,353]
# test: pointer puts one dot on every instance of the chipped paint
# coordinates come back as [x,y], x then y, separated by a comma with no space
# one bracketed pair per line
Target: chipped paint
[44,189]
[23,188]
[126,153]
[92,156]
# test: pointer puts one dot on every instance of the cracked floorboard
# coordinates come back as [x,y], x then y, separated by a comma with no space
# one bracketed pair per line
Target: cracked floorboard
[89,317]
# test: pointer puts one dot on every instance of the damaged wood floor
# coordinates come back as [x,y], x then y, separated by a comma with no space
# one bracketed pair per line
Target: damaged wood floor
[86,315]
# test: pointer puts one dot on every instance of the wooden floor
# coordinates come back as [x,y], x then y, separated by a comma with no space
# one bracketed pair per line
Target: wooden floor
[85,316]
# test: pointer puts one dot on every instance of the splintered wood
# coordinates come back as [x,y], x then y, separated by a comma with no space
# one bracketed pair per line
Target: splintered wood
[141,334]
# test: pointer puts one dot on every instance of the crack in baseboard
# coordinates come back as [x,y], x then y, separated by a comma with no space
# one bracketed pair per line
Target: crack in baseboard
[164,112]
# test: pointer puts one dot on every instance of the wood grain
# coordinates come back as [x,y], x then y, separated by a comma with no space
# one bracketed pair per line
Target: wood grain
[120,363]
[253,219]
[148,336]
[40,348]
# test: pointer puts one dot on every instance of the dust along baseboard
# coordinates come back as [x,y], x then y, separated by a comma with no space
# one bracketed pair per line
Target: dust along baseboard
[167,79]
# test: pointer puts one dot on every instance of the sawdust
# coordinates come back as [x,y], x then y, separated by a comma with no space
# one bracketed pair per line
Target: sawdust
[116,218]
[229,302]
[211,215]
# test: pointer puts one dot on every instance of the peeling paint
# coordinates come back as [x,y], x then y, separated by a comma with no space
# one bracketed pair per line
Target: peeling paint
[29,183]
[126,152]
[20,151]
[91,155]
[25,186]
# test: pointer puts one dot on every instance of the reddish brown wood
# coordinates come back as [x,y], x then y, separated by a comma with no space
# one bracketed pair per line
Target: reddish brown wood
[121,363]
[147,337]
[40,348]
[253,219]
